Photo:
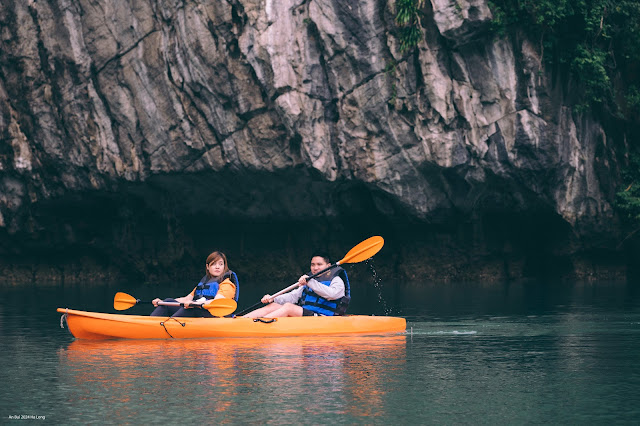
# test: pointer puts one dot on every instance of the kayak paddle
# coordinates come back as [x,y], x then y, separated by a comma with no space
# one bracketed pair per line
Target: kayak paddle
[217,307]
[363,251]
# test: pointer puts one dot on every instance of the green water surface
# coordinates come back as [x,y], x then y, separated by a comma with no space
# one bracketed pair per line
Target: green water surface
[473,354]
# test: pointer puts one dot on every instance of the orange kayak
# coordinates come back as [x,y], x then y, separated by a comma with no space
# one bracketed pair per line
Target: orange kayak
[93,325]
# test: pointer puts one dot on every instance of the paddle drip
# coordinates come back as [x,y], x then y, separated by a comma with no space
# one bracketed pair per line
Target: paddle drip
[377,282]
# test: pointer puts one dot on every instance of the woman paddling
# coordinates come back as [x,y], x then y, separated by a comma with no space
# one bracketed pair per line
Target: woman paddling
[219,281]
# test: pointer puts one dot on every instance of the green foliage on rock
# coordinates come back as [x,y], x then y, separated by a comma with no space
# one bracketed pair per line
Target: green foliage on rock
[408,21]
[597,41]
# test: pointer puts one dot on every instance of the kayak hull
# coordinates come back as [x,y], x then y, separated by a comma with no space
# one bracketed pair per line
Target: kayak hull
[94,325]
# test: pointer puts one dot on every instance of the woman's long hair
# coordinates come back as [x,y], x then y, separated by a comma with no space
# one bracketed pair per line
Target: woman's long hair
[214,257]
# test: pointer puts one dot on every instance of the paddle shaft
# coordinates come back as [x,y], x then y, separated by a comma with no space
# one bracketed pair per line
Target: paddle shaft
[179,304]
[285,290]
[216,307]
[163,303]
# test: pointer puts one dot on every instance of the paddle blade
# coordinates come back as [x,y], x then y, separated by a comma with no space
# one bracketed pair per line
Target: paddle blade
[363,251]
[221,307]
[123,301]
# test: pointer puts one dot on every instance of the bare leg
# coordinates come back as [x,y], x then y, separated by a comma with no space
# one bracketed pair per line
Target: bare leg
[287,310]
[261,312]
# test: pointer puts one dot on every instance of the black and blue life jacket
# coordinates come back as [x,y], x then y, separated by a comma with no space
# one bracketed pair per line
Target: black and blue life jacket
[311,301]
[209,287]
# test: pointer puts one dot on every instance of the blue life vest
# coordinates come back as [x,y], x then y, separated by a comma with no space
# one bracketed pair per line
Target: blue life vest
[311,301]
[209,287]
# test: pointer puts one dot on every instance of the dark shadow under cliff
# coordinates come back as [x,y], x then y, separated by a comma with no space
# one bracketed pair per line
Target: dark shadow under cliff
[163,229]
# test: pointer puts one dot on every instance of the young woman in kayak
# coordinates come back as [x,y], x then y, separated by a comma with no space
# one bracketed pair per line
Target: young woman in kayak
[219,281]
[328,294]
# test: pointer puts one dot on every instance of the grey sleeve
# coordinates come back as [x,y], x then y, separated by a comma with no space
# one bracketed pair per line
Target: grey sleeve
[331,292]
[292,297]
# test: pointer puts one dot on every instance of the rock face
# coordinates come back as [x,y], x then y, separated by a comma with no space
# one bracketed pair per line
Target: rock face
[126,123]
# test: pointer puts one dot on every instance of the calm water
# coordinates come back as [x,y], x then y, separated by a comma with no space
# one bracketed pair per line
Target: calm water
[518,354]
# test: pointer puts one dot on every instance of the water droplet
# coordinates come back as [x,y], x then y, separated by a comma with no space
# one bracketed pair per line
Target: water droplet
[377,283]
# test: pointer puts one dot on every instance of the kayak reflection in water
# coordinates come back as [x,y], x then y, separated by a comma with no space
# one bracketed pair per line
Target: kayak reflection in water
[327,295]
[219,281]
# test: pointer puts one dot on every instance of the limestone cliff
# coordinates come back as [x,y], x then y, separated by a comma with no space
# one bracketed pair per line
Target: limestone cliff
[139,129]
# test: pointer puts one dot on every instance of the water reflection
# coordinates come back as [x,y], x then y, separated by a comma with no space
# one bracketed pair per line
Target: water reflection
[310,375]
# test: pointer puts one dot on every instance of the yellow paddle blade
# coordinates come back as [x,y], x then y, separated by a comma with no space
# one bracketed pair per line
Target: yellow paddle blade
[220,307]
[363,251]
[123,301]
